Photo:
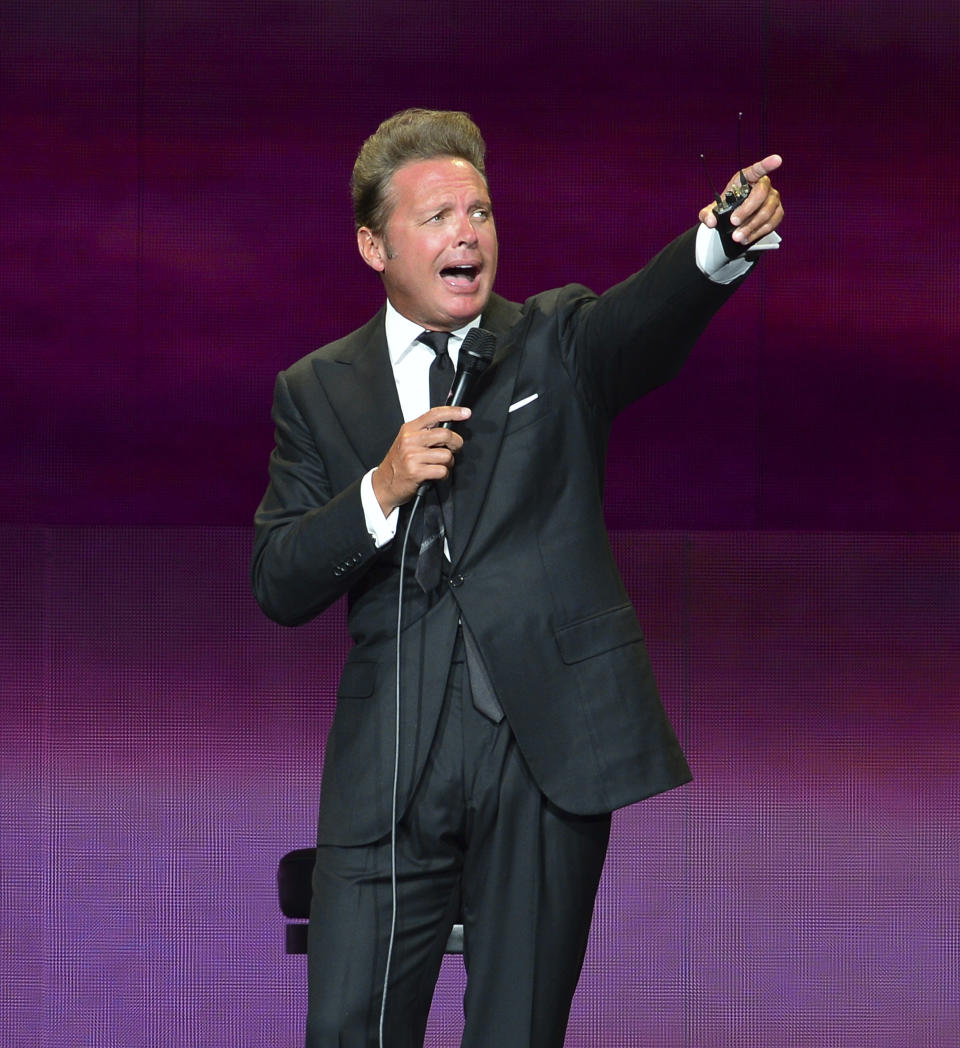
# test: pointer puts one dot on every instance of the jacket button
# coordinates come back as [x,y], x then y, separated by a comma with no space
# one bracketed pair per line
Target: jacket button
[456,580]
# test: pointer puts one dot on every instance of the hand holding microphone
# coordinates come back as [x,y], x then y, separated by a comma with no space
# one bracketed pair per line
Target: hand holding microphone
[424,448]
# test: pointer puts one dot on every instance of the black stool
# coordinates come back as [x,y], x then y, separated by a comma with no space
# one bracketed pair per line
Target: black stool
[294,888]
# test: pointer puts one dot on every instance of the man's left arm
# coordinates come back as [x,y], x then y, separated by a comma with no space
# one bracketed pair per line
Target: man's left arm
[637,335]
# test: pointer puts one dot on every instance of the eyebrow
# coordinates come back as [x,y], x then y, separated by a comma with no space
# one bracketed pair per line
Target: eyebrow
[448,205]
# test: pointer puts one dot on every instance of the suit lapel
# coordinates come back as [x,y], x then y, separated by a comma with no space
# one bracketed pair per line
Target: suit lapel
[483,433]
[358,381]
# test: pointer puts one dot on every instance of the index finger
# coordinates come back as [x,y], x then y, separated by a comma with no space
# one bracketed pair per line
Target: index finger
[437,416]
[756,171]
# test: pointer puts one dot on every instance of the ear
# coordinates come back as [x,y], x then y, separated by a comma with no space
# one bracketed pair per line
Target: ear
[372,249]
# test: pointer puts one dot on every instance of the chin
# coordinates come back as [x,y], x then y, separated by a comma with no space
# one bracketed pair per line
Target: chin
[465,310]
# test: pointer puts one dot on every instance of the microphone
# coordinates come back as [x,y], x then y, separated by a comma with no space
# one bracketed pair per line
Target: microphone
[474,358]
[476,355]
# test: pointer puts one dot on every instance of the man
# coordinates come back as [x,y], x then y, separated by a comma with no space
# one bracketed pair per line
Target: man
[527,711]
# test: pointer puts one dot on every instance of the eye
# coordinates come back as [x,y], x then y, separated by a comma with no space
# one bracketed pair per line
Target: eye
[481,214]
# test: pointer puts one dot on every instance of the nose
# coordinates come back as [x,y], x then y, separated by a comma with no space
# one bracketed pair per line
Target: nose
[466,232]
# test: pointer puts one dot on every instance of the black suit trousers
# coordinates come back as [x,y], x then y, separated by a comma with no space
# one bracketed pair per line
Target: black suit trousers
[478,840]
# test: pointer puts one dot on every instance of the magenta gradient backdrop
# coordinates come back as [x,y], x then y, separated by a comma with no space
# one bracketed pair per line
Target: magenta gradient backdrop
[786,512]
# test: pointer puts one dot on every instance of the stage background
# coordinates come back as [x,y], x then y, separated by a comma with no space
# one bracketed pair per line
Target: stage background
[786,512]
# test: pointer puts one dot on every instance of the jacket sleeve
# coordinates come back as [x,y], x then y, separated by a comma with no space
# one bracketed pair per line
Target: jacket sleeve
[637,335]
[310,544]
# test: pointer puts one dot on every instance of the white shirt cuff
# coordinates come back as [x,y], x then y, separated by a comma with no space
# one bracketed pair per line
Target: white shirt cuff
[714,264]
[382,529]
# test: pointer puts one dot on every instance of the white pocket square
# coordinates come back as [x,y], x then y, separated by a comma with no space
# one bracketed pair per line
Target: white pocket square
[523,403]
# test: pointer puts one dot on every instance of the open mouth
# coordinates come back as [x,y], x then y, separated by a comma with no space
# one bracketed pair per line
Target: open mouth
[460,274]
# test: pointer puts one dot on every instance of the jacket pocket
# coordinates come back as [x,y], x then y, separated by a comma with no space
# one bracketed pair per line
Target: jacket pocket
[599,633]
[534,411]
[357,680]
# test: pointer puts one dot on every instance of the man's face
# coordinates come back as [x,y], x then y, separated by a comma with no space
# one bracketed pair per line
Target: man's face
[438,253]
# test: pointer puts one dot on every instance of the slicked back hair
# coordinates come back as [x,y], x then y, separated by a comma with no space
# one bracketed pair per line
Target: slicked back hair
[414,134]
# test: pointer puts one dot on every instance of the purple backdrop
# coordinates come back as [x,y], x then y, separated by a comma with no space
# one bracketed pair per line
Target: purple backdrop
[786,512]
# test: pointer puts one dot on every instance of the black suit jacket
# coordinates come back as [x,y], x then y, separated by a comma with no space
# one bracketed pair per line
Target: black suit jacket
[532,572]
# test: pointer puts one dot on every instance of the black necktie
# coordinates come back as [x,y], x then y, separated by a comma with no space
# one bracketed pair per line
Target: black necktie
[438,521]
[441,370]
[430,558]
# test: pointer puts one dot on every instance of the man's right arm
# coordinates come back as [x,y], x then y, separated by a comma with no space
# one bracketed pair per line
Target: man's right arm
[314,542]
[310,541]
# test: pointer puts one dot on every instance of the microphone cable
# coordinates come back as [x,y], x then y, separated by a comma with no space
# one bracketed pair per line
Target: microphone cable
[396,775]
[476,355]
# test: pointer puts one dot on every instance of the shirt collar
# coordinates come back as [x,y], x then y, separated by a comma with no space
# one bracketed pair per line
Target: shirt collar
[402,336]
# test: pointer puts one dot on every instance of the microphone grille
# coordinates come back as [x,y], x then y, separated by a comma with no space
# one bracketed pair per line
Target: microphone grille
[478,348]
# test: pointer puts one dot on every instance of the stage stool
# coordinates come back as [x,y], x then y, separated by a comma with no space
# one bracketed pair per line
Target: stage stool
[294,888]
